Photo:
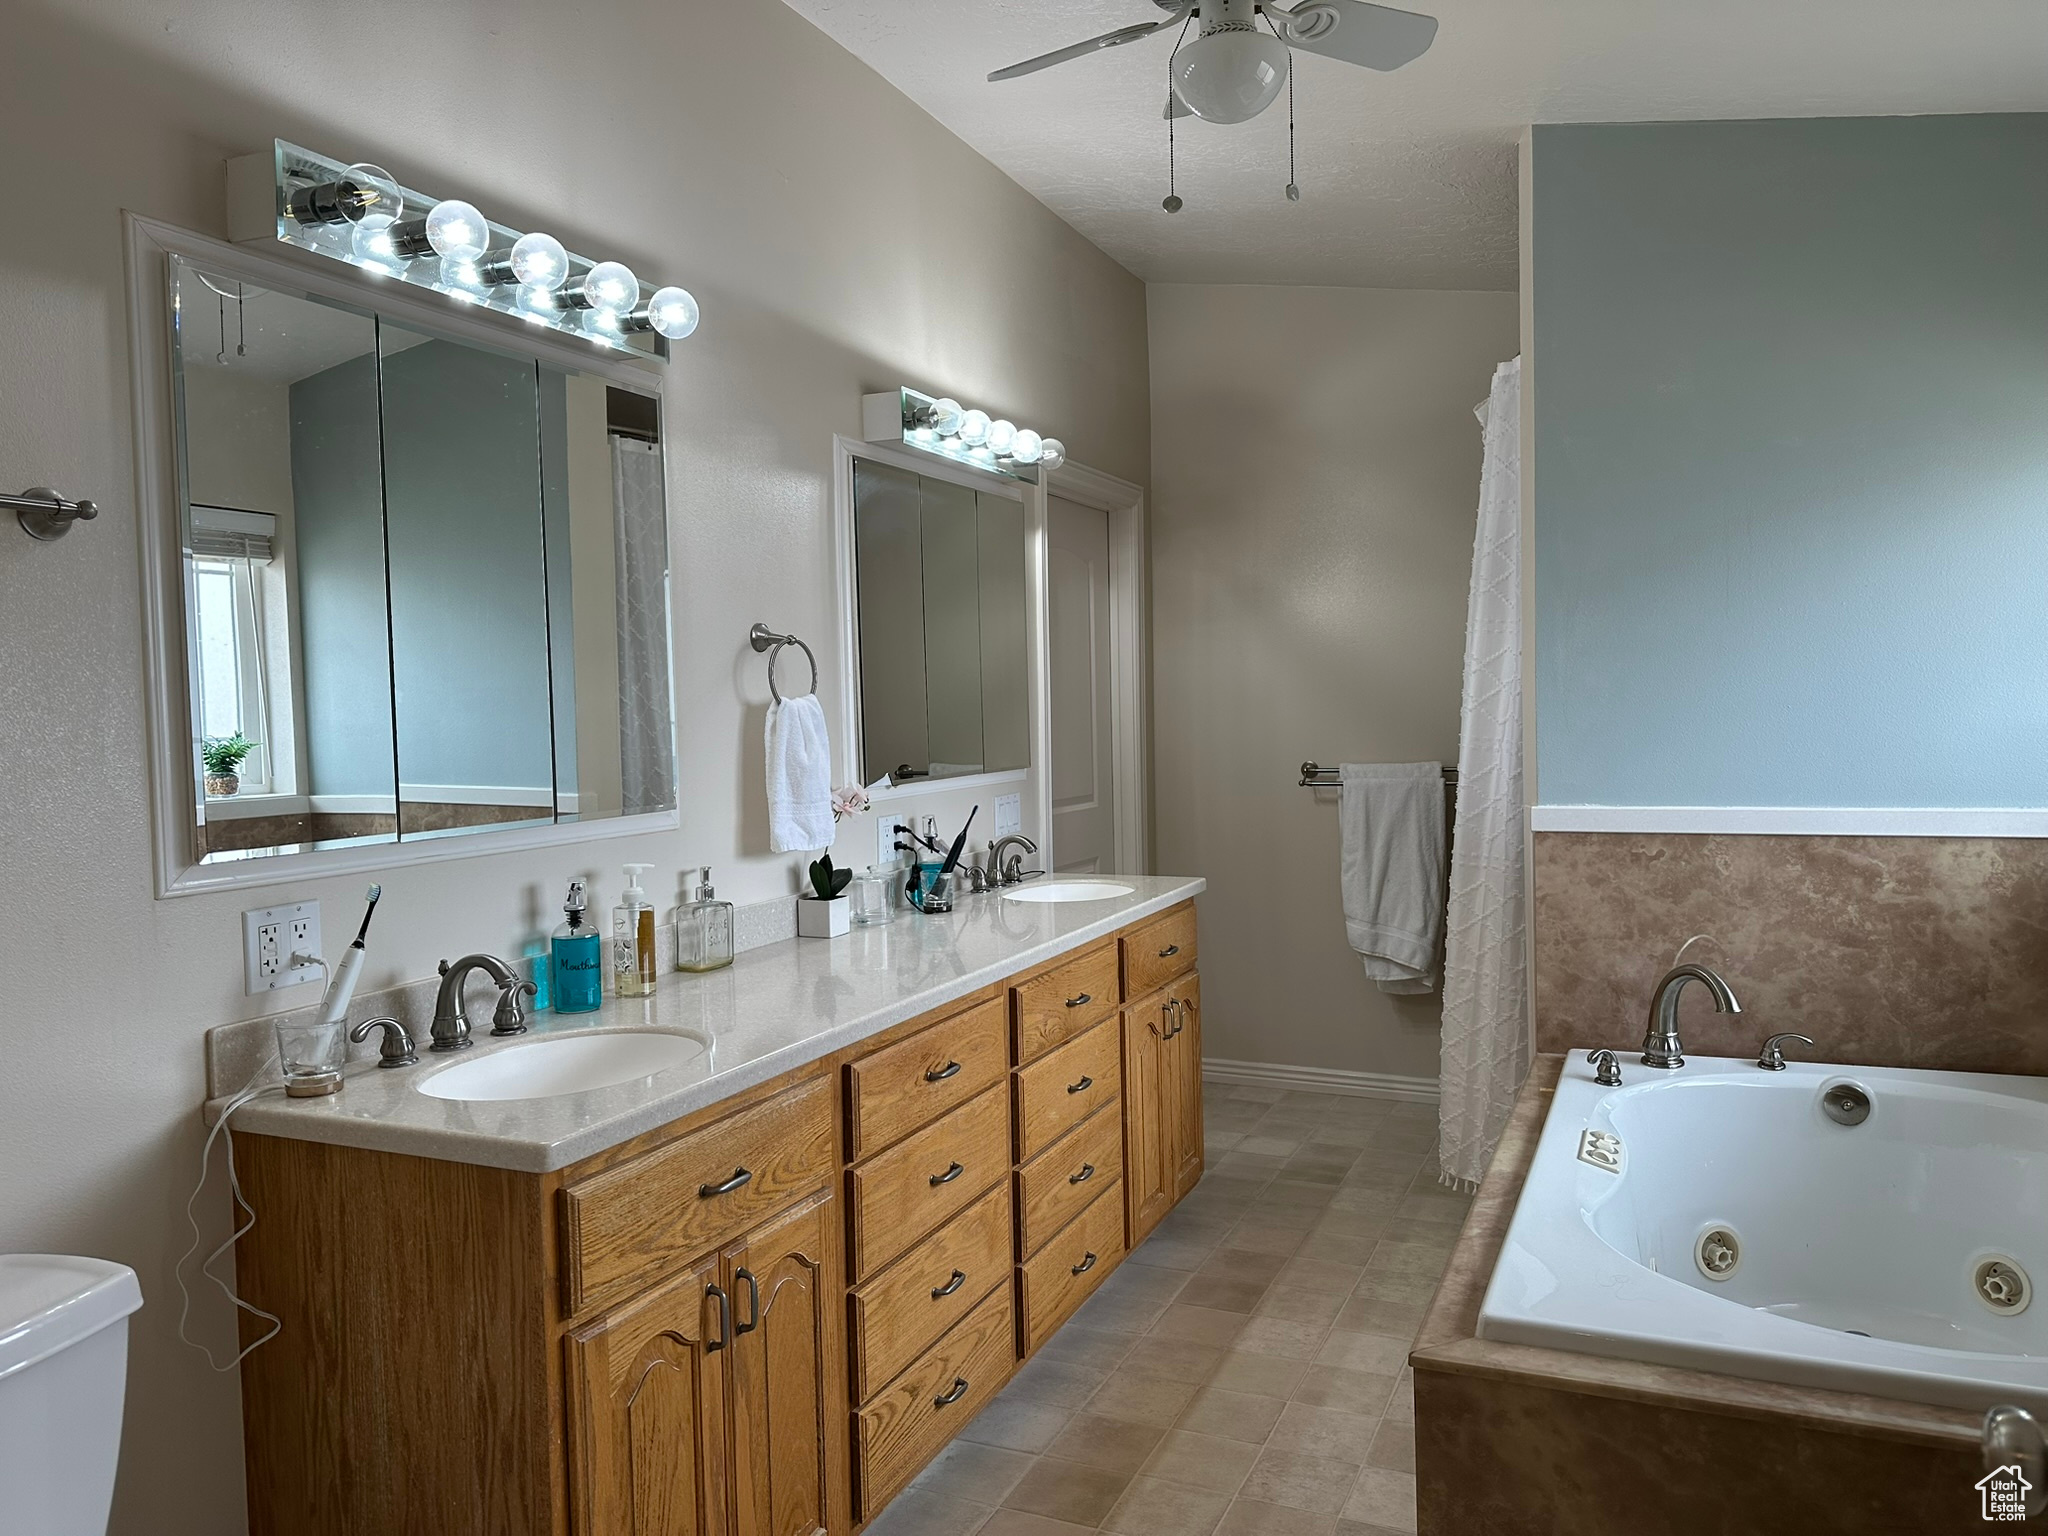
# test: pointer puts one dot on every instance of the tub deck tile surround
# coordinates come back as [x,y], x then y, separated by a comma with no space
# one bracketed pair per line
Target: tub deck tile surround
[1512,1439]
[1888,951]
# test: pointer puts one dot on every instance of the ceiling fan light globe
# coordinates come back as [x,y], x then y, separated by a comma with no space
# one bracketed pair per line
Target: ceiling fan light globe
[1230,75]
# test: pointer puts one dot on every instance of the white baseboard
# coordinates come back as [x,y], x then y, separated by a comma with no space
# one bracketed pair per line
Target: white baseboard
[1359,1085]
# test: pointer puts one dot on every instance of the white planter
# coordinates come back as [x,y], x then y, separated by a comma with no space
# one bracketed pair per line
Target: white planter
[816,919]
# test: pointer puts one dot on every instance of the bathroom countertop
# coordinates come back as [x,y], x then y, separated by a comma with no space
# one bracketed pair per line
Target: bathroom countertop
[1449,1339]
[775,1009]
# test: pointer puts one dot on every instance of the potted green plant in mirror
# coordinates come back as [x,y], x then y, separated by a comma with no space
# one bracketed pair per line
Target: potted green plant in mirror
[823,911]
[224,756]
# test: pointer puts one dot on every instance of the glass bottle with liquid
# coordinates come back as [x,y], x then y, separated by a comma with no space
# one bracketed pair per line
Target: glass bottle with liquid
[633,938]
[578,958]
[703,928]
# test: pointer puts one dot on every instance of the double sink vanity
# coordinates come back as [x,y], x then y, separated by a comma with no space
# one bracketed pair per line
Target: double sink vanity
[741,1256]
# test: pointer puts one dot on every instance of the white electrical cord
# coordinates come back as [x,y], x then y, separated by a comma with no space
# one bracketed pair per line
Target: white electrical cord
[245,1222]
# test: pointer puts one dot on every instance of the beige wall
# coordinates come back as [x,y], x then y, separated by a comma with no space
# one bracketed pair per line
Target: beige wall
[839,241]
[1315,478]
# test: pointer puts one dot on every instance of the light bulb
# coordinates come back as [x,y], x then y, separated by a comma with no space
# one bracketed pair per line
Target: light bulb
[535,300]
[377,199]
[1052,453]
[538,261]
[604,324]
[946,415]
[457,232]
[1229,76]
[611,285]
[974,428]
[672,313]
[1001,434]
[1027,447]
[372,243]
[461,278]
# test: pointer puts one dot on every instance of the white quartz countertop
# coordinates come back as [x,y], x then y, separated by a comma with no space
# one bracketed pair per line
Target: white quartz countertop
[773,1010]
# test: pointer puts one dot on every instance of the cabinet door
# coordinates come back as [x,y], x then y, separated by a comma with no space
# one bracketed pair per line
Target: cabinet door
[785,1343]
[647,1418]
[1149,1163]
[1184,1063]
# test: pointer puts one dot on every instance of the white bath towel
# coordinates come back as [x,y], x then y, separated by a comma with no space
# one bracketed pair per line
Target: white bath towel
[1390,817]
[799,776]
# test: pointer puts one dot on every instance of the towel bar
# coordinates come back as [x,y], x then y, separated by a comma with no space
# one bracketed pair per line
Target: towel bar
[1315,776]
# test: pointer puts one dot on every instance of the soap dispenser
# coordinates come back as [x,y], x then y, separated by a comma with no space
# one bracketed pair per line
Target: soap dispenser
[704,928]
[578,958]
[633,937]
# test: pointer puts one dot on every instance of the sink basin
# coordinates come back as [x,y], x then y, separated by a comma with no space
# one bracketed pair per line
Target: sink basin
[1069,890]
[540,1069]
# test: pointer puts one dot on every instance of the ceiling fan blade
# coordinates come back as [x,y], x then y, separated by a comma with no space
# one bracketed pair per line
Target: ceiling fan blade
[1377,36]
[1114,39]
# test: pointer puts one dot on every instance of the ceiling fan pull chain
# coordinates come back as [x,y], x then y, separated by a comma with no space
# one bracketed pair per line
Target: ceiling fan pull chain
[1172,203]
[1293,190]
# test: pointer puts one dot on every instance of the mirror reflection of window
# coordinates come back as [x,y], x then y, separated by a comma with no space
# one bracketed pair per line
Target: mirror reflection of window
[940,603]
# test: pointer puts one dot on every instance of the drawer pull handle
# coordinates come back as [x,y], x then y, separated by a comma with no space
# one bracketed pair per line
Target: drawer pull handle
[1087,1172]
[724,1320]
[713,1191]
[1080,1002]
[746,1277]
[950,1069]
[1169,952]
[947,1399]
[948,1176]
[1085,1265]
[1082,1086]
[959,1279]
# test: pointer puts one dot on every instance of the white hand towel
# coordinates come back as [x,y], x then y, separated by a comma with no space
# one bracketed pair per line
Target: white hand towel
[799,776]
[1390,817]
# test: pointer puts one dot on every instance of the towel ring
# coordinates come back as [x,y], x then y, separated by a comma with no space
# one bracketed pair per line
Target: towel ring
[762,637]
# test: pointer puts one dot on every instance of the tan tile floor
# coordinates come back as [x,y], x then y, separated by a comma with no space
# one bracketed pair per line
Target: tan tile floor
[1244,1373]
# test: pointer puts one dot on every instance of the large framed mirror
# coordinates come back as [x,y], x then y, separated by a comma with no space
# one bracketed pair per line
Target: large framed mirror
[415,578]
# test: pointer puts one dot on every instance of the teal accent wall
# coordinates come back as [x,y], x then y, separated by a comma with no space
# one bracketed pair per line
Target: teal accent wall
[1790,461]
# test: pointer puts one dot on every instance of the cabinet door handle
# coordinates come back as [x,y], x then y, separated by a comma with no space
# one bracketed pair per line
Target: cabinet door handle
[950,1069]
[713,1191]
[724,1338]
[1169,952]
[1087,1172]
[947,1399]
[1080,1002]
[948,1176]
[1085,1265]
[1082,1086]
[942,1292]
[746,1277]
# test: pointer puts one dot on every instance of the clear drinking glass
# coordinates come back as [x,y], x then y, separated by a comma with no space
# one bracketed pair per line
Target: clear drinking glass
[311,1055]
[871,903]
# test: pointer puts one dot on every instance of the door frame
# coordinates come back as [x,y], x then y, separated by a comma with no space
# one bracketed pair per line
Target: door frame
[1130,712]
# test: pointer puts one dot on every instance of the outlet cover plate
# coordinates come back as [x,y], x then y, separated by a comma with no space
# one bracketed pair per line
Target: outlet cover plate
[281,947]
[1009,814]
[887,827]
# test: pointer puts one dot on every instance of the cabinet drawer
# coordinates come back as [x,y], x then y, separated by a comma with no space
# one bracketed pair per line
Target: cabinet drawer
[1065,1272]
[1053,1186]
[933,1401]
[928,1290]
[893,1091]
[1060,1090]
[625,1226]
[1058,1005]
[1160,950]
[899,1195]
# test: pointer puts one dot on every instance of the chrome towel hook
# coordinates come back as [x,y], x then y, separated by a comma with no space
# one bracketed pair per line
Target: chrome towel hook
[762,637]
[43,514]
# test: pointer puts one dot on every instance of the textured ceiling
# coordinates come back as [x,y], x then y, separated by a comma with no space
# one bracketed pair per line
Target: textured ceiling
[1408,179]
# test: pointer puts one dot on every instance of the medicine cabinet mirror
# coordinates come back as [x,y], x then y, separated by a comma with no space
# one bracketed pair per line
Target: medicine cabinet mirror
[940,609]
[422,578]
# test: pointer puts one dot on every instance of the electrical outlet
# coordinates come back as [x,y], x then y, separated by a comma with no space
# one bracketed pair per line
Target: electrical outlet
[890,828]
[1009,814]
[281,947]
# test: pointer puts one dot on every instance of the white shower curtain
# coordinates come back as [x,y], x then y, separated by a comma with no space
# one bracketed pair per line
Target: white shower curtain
[1486,994]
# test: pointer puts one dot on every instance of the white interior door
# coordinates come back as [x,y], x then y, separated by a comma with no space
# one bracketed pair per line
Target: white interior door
[1083,750]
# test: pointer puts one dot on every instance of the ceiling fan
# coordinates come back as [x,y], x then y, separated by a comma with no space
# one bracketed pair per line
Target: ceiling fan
[1234,69]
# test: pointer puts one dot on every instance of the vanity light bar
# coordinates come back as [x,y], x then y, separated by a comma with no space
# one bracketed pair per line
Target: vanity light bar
[359,214]
[944,427]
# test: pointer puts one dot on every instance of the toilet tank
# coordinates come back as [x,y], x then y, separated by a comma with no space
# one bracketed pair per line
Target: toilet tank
[63,1373]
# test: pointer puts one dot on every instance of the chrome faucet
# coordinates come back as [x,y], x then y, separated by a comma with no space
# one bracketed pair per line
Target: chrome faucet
[1661,1045]
[1010,872]
[451,1019]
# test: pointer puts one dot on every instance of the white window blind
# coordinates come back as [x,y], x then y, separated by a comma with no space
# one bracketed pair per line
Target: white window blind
[223,533]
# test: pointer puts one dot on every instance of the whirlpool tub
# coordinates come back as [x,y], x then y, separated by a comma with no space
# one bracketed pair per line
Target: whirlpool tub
[1868,1229]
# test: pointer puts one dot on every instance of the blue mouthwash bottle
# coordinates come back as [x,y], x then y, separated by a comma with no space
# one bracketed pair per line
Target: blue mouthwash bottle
[578,960]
